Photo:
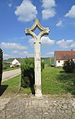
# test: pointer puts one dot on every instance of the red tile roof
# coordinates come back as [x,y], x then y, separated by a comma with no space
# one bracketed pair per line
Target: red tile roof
[64,55]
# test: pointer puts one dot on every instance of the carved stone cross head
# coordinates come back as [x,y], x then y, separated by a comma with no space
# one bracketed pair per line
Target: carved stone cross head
[43,31]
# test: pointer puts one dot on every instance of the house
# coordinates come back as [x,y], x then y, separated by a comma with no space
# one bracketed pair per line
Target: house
[14,63]
[61,56]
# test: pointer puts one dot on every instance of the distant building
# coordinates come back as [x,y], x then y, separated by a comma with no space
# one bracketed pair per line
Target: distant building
[61,56]
[14,63]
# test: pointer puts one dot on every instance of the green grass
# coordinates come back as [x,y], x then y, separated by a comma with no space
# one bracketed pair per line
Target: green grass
[10,68]
[54,81]
[13,86]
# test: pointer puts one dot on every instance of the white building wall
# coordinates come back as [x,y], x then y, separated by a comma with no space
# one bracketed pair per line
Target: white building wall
[15,63]
[59,63]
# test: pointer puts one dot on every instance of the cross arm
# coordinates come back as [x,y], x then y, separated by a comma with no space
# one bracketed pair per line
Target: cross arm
[44,32]
[29,32]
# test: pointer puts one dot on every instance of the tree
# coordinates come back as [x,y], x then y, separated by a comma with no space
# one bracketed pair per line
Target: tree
[69,66]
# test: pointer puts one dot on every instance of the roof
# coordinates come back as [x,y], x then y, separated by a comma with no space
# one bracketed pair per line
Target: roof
[64,55]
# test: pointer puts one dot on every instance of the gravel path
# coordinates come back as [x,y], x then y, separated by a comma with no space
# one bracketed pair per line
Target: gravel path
[21,107]
[10,74]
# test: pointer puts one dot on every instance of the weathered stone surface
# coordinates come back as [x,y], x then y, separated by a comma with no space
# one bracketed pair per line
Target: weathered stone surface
[37,54]
[20,107]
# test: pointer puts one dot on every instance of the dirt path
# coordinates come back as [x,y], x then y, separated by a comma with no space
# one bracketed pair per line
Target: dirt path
[10,74]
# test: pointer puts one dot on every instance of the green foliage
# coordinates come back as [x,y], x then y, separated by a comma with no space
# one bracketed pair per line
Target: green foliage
[69,66]
[6,65]
[48,61]
[1,62]
[27,72]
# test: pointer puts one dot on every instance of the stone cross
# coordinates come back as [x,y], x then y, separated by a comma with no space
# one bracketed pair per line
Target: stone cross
[37,55]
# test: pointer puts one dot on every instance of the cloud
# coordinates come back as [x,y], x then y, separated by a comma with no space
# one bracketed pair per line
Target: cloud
[59,23]
[12,46]
[50,53]
[10,5]
[47,41]
[73,45]
[49,9]
[66,43]
[47,54]
[31,41]
[15,51]
[6,56]
[26,11]
[17,54]
[47,13]
[48,3]
[71,12]
[20,53]
[44,41]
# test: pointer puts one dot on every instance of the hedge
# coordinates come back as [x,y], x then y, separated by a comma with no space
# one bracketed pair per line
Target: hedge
[27,72]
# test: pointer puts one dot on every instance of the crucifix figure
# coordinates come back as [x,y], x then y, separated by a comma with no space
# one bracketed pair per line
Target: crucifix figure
[37,55]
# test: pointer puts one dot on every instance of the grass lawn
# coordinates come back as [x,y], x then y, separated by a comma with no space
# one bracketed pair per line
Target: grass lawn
[12,86]
[54,81]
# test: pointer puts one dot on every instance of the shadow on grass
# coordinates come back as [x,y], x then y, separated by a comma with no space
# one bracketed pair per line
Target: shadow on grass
[32,90]
[28,82]
[68,80]
[2,89]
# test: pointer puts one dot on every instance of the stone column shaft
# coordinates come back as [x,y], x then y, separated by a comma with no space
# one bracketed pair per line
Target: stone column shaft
[37,69]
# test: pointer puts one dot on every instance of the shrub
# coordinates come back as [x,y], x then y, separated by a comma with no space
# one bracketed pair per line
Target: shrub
[27,72]
[1,62]
[69,66]
[6,65]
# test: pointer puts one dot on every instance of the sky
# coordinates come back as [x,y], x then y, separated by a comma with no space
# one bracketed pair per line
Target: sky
[17,15]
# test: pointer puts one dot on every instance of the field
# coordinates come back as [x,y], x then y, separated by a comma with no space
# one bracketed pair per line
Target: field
[54,81]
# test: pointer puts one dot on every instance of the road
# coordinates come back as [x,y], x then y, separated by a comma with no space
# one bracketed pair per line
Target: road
[10,74]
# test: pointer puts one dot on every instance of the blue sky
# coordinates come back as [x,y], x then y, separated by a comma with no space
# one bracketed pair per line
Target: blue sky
[17,15]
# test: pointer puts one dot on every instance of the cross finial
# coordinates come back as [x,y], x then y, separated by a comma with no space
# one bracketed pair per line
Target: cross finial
[43,31]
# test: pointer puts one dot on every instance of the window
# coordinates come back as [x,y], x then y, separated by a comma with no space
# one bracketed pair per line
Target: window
[58,61]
